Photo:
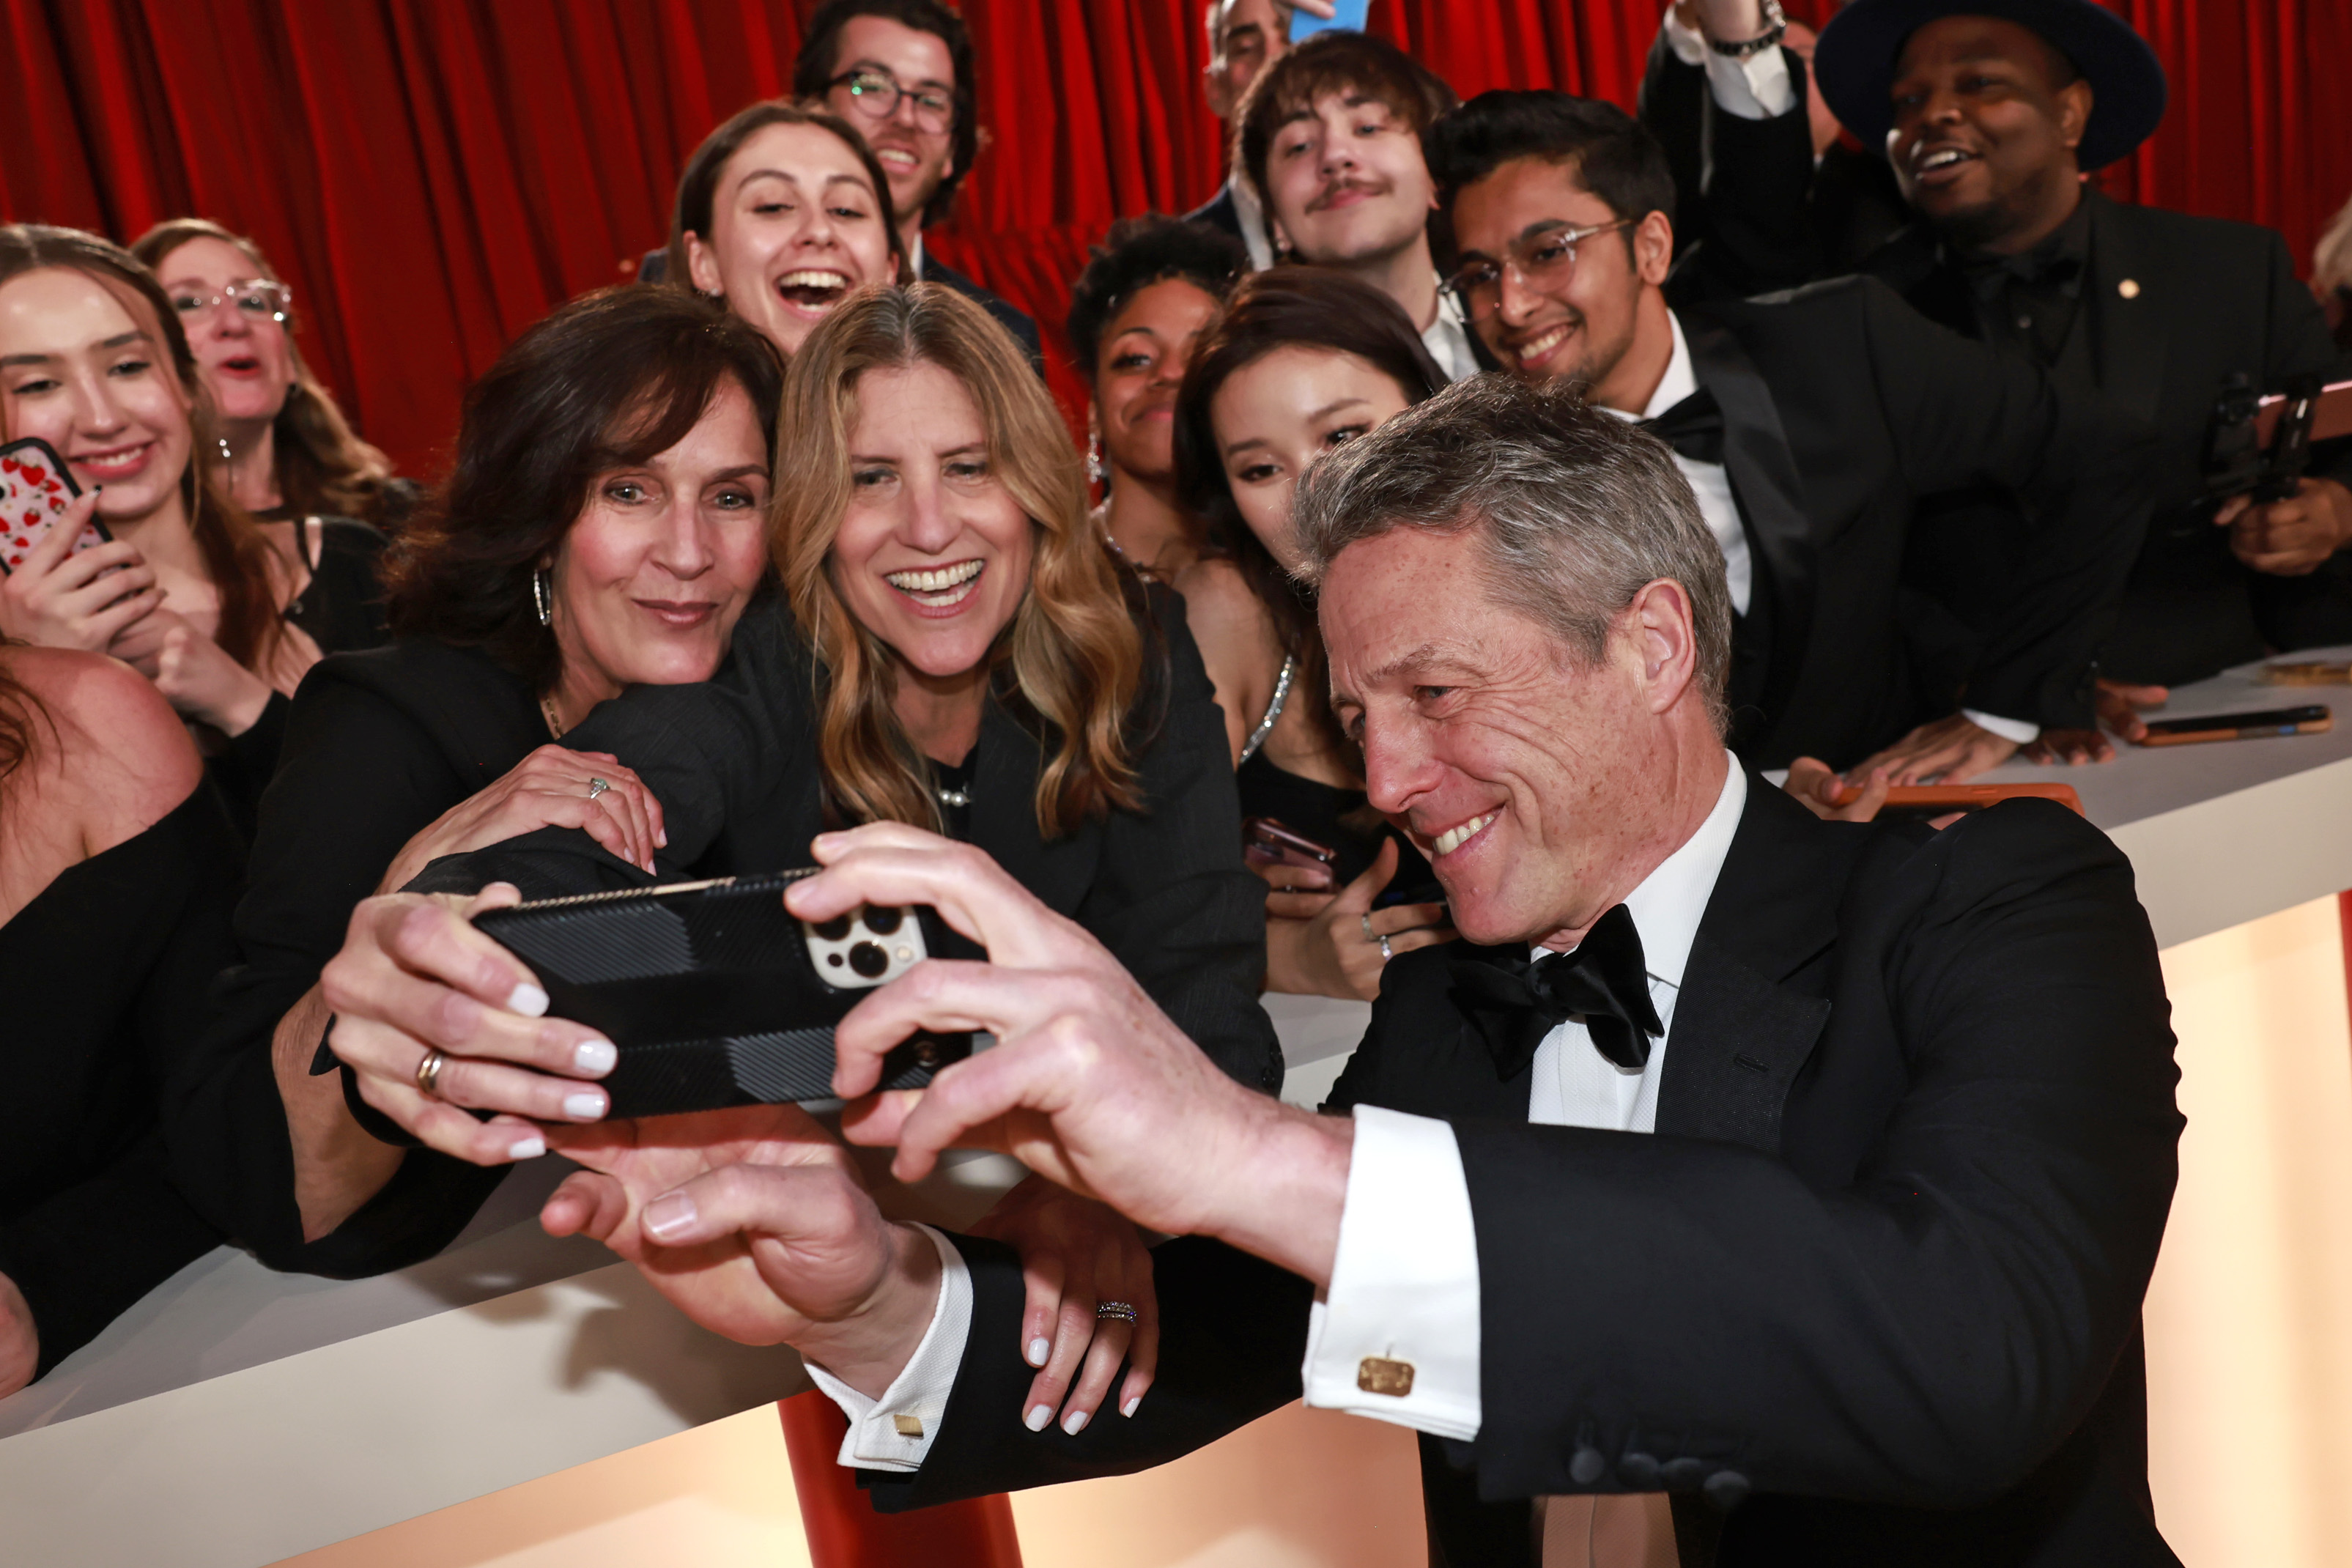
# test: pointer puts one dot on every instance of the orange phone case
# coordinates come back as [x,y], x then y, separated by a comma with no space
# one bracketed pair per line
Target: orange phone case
[1972,797]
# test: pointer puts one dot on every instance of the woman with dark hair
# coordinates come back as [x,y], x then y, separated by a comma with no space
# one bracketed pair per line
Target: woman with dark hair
[1303,360]
[604,526]
[290,456]
[781,212]
[952,649]
[116,871]
[226,623]
[1146,295]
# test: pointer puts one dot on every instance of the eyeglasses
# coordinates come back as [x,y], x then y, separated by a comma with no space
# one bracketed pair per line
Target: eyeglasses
[1545,261]
[254,297]
[876,95]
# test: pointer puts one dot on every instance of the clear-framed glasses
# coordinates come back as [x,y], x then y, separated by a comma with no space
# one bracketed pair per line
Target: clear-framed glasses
[876,94]
[1545,261]
[255,298]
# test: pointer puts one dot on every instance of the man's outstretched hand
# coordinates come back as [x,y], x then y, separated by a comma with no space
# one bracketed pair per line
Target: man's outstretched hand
[753,1221]
[1089,1085]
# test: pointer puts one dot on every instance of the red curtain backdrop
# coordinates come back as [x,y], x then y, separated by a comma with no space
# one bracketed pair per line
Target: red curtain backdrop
[432,175]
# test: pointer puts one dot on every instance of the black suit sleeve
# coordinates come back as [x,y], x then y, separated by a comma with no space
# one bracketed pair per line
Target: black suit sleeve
[1921,1328]
[1962,415]
[1742,187]
[1233,1335]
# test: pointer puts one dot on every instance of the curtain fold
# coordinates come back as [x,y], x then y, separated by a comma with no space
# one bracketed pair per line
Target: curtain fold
[433,175]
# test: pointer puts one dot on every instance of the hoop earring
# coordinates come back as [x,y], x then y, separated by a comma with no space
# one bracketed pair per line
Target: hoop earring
[538,592]
[1095,469]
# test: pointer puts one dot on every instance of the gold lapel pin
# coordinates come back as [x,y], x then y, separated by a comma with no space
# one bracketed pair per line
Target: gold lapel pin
[2128,288]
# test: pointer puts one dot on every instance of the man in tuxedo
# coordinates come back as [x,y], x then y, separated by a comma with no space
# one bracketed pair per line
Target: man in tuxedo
[1810,425]
[1812,1174]
[901,71]
[1991,112]
[1330,141]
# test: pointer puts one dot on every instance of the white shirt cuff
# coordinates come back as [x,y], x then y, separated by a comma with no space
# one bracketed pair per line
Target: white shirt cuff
[1404,1283]
[895,1432]
[2016,730]
[1757,87]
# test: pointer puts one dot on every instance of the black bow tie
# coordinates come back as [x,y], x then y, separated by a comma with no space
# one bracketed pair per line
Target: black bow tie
[1693,427]
[2048,270]
[1514,1004]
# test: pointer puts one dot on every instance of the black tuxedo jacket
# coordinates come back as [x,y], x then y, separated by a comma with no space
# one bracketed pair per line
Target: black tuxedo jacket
[2170,307]
[1844,410]
[1218,212]
[1872,1291]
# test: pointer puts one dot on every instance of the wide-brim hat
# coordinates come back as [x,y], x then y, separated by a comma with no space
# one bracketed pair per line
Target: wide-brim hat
[1854,65]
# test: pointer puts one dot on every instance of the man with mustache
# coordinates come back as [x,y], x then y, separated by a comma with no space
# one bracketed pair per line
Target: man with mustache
[1331,142]
[1244,38]
[901,71]
[1765,1190]
[1990,113]
[1808,427]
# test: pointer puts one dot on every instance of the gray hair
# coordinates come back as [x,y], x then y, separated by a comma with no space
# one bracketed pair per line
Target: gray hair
[1576,511]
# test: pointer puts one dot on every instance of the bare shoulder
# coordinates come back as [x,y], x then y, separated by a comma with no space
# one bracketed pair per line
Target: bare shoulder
[116,748]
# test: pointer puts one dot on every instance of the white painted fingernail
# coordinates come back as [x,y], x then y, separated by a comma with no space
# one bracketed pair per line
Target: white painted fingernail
[1039,1348]
[1037,1417]
[1129,1408]
[594,1057]
[1077,1419]
[583,1107]
[526,1149]
[528,1000]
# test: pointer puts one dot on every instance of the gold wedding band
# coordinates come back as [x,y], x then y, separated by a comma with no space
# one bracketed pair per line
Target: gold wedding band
[428,1072]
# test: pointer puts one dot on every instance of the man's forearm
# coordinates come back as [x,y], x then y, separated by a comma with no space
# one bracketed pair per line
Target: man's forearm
[1282,1198]
[868,1348]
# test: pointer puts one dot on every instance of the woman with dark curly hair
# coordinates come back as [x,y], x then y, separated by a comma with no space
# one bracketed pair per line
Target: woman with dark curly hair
[604,526]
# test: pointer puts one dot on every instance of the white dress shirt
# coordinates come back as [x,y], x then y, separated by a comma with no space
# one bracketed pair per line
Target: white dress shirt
[1250,212]
[1404,1282]
[1448,338]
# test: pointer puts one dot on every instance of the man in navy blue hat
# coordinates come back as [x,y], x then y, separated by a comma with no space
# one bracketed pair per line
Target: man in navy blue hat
[1991,112]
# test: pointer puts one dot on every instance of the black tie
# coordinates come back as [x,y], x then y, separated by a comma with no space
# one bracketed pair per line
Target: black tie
[1514,1004]
[1693,427]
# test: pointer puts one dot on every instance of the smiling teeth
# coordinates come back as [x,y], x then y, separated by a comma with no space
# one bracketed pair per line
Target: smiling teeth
[937,582]
[1544,345]
[1454,838]
[1940,159]
[811,279]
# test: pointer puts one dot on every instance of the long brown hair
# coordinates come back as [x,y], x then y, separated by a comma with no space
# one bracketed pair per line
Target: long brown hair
[237,555]
[1070,663]
[322,465]
[606,381]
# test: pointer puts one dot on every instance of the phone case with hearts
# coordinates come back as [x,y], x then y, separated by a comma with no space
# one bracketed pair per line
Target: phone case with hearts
[34,490]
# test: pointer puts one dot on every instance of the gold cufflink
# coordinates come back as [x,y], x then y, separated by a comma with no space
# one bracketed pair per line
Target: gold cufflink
[908,1426]
[1377,1374]
[2128,288]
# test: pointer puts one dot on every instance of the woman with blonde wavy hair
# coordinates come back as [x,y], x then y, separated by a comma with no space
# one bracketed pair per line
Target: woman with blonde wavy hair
[951,649]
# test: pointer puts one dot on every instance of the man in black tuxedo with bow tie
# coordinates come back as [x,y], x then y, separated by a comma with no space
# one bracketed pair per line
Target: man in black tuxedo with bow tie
[1812,427]
[1810,1174]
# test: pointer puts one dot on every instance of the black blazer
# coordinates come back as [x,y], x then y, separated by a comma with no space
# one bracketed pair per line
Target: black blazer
[378,744]
[1015,322]
[1870,1294]
[1220,212]
[2170,307]
[734,763]
[1842,410]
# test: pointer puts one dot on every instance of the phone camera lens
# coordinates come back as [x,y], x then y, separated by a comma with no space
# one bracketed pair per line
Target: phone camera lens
[834,928]
[882,922]
[869,959]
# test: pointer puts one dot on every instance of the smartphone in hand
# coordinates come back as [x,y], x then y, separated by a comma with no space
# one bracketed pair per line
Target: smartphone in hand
[36,488]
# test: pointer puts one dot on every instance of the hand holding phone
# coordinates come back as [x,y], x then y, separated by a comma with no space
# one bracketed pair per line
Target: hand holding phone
[66,583]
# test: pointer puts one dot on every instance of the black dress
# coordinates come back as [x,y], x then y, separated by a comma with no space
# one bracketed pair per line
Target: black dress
[734,764]
[378,744]
[107,970]
[341,609]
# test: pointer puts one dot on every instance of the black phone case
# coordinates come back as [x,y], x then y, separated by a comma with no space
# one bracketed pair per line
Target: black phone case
[708,990]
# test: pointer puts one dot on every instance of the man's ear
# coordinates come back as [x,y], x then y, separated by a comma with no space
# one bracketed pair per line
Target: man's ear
[2073,110]
[1659,620]
[1654,248]
[702,266]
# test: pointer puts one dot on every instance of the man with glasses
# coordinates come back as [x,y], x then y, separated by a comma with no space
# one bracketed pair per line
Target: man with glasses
[901,71]
[1810,427]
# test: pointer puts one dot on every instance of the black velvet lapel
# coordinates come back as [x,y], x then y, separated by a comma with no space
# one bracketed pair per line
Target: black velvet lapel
[2128,344]
[1743,1028]
[1771,496]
